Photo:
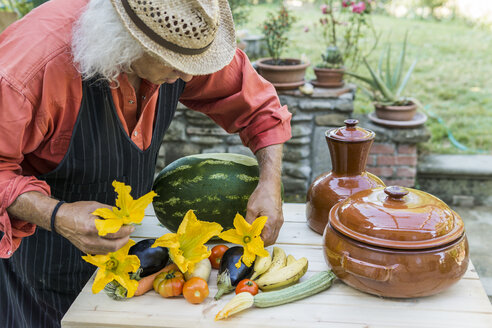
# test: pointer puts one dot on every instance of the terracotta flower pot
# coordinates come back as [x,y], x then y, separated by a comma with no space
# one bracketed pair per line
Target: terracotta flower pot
[396,113]
[328,77]
[289,75]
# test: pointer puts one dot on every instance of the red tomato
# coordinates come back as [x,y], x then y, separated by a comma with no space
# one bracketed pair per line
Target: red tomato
[169,282]
[195,290]
[217,253]
[248,286]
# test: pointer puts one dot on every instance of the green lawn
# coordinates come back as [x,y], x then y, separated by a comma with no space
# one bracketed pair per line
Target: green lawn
[452,77]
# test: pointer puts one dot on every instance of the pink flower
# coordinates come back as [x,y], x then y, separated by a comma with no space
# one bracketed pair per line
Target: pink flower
[306,29]
[324,9]
[346,3]
[359,7]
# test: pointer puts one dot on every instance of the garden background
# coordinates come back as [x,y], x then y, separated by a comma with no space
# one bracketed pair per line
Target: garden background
[451,41]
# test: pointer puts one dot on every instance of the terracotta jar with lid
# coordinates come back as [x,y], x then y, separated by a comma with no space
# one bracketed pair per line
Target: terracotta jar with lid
[396,242]
[349,148]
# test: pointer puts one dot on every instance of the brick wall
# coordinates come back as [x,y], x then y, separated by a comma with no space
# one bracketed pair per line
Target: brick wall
[393,156]
[395,164]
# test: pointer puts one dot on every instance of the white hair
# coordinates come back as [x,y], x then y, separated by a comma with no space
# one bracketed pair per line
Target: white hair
[101,46]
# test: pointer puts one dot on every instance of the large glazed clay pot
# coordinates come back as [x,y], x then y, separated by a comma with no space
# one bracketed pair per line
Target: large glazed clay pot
[396,242]
[349,147]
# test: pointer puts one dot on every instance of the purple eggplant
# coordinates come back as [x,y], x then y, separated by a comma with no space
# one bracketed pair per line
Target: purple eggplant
[229,276]
[151,259]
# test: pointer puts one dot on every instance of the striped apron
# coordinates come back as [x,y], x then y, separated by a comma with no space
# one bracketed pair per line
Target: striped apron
[45,275]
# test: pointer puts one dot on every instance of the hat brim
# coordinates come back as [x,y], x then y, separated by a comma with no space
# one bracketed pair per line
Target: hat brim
[216,57]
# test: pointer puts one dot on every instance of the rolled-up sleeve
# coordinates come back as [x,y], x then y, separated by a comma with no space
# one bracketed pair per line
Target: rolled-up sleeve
[240,101]
[18,134]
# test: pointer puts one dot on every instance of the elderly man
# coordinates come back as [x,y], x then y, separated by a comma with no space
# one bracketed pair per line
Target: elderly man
[87,91]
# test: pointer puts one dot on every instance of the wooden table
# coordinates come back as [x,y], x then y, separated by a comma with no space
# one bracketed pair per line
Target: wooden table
[465,304]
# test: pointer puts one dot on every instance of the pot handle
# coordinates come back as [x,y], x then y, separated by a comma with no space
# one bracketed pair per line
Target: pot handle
[365,269]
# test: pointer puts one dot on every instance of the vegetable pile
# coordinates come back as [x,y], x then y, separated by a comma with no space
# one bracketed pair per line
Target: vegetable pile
[180,263]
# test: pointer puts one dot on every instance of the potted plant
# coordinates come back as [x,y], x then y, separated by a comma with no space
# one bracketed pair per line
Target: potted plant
[386,86]
[283,73]
[342,27]
[329,73]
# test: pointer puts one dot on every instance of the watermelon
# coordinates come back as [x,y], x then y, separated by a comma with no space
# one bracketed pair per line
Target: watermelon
[216,186]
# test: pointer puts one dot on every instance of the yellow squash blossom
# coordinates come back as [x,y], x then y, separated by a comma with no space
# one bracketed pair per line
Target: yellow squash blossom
[186,247]
[127,210]
[115,266]
[247,235]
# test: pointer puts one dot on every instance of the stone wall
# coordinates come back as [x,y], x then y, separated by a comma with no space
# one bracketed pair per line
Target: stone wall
[306,156]
[306,153]
[460,180]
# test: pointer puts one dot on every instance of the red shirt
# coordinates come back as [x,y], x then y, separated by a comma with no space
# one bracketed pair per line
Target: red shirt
[41,92]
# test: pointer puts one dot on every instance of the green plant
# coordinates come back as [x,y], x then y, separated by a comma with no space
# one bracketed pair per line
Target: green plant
[343,26]
[240,11]
[21,8]
[332,58]
[276,29]
[387,83]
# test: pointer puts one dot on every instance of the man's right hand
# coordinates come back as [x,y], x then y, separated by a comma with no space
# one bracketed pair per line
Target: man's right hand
[75,222]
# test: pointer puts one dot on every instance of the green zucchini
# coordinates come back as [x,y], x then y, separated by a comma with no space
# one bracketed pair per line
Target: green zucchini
[315,284]
[242,301]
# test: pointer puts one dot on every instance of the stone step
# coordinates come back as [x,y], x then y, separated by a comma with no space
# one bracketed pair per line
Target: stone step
[461,180]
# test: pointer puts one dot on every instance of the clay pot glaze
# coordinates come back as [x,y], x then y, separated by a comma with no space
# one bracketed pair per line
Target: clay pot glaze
[283,77]
[349,148]
[396,242]
[329,77]
[396,113]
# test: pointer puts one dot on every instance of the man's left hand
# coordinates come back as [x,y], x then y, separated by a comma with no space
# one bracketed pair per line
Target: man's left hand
[266,201]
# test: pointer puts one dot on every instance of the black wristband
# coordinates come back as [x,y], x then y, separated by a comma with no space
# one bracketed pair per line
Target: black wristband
[53,215]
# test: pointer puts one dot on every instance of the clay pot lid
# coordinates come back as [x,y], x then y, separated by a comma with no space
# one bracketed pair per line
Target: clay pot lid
[350,132]
[397,217]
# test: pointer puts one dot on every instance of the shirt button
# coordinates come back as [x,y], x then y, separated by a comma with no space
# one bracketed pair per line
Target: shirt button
[131,101]
[135,133]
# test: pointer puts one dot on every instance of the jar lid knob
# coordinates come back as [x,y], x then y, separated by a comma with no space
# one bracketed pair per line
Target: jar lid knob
[351,122]
[396,192]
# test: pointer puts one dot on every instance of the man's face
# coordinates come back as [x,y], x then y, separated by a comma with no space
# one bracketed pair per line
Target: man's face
[154,71]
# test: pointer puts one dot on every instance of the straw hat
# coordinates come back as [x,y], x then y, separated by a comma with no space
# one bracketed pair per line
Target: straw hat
[194,36]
